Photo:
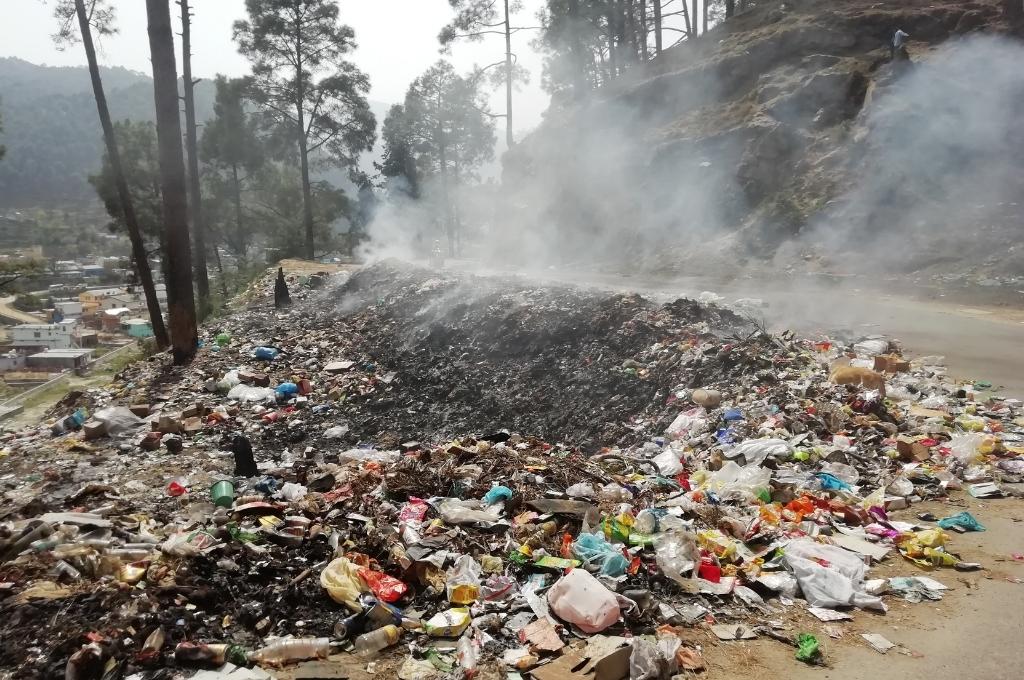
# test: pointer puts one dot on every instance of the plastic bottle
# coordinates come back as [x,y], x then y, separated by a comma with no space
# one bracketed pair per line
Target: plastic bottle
[374,641]
[285,651]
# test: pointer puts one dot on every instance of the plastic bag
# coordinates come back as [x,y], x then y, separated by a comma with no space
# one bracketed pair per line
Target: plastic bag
[118,419]
[336,432]
[871,347]
[901,486]
[455,511]
[965,447]
[287,389]
[497,494]
[292,492]
[386,588]
[668,462]
[676,553]
[644,661]
[342,581]
[841,584]
[693,420]
[368,456]
[266,353]
[581,599]
[755,451]
[613,493]
[734,480]
[252,394]
[229,380]
[462,582]
[841,471]
[467,652]
[594,551]
[581,490]
[964,519]
[832,483]
[807,648]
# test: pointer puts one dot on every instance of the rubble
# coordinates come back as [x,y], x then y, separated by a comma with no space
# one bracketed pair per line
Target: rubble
[444,476]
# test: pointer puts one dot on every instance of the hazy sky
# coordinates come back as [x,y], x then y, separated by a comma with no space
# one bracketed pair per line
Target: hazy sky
[397,41]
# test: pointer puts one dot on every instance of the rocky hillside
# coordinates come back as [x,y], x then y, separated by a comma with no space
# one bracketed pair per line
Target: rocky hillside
[789,131]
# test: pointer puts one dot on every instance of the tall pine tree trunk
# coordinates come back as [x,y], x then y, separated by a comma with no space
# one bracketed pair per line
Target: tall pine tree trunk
[307,192]
[131,222]
[181,304]
[508,78]
[579,82]
[629,28]
[686,20]
[693,18]
[704,8]
[192,144]
[613,61]
[730,8]
[657,26]
[240,239]
[643,29]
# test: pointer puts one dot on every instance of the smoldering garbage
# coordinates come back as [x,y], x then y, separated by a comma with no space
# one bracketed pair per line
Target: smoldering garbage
[468,475]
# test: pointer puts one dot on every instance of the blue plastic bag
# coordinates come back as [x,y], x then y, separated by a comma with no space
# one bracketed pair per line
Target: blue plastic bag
[592,549]
[831,482]
[497,493]
[286,389]
[964,519]
[266,353]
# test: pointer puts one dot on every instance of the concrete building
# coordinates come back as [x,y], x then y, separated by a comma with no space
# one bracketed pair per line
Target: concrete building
[92,300]
[60,359]
[12,361]
[138,328]
[111,319]
[43,335]
[70,309]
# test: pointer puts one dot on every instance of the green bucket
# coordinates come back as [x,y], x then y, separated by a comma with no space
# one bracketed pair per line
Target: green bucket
[223,494]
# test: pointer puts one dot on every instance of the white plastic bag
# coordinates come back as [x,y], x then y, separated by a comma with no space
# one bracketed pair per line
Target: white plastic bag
[677,554]
[842,472]
[755,451]
[252,394]
[644,660]
[581,490]
[733,480]
[693,420]
[871,347]
[668,462]
[841,584]
[118,419]
[579,598]
[965,447]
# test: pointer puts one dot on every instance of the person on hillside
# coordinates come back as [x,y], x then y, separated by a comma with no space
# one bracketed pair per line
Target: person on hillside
[898,45]
[281,296]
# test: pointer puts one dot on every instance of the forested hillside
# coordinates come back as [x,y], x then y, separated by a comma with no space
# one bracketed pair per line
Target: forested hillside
[51,130]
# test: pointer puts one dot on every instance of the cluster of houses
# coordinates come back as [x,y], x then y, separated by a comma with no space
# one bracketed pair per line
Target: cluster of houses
[74,326]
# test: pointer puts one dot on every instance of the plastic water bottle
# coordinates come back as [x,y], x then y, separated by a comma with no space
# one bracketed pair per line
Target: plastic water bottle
[374,641]
[284,651]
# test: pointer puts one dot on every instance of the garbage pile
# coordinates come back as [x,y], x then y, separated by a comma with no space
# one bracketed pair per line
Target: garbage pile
[428,476]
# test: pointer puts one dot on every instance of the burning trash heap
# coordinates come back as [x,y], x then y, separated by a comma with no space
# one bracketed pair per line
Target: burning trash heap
[439,476]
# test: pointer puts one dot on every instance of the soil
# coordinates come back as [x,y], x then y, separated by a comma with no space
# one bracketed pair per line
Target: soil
[973,632]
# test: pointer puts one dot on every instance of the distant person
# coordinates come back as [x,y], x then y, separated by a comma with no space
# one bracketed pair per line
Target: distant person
[898,45]
[281,296]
